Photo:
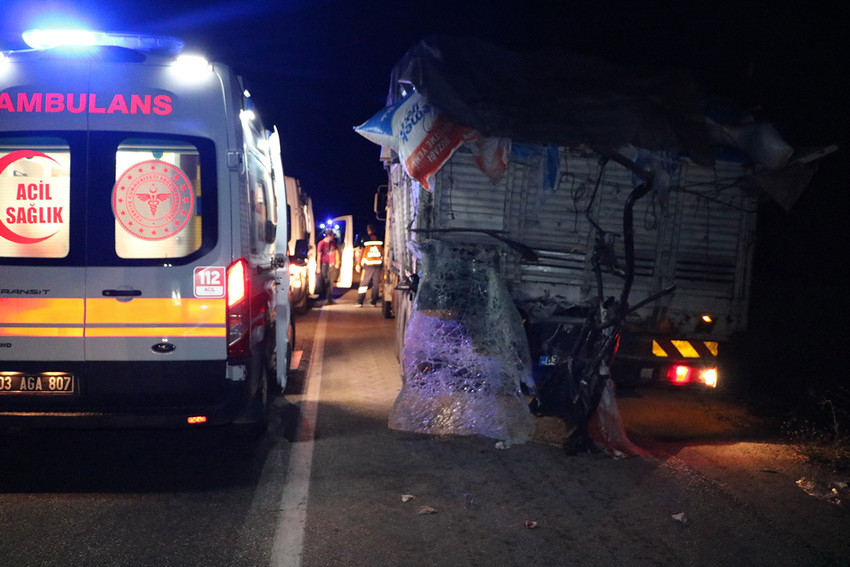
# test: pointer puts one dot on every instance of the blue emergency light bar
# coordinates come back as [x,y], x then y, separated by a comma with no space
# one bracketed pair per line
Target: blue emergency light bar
[47,39]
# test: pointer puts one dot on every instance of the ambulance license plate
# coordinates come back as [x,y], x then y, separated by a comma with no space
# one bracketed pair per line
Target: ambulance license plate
[48,383]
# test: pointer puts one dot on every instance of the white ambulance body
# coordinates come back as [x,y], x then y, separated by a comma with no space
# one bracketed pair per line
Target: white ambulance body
[138,222]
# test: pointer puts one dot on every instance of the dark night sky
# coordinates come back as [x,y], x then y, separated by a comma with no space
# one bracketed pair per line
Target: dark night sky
[317,68]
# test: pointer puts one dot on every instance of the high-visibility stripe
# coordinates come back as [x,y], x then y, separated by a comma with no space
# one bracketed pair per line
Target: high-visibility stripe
[107,317]
[154,310]
[41,331]
[113,331]
[156,331]
[42,310]
[684,349]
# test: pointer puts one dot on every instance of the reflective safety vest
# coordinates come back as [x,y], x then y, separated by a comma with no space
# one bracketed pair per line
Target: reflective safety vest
[373,253]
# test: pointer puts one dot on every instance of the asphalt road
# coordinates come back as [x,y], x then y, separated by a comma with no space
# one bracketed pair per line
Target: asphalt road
[331,484]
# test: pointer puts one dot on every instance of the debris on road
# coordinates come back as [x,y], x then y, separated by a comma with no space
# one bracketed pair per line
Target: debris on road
[831,492]
[426,510]
[407,497]
[680,517]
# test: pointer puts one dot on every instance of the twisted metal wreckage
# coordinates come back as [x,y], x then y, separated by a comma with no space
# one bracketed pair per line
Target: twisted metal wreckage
[514,184]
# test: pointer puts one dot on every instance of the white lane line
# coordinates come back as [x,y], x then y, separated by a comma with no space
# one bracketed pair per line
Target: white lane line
[287,548]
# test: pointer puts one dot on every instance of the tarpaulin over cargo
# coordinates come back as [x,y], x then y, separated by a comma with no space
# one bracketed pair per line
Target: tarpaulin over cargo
[555,97]
[564,99]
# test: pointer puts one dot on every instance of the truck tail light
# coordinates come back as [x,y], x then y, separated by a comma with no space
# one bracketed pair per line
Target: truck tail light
[238,310]
[296,275]
[679,374]
[682,374]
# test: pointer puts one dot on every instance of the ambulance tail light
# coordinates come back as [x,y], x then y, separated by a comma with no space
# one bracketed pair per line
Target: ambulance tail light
[238,310]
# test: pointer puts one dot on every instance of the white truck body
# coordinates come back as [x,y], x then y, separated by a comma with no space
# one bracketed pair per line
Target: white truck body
[701,239]
[301,245]
[528,159]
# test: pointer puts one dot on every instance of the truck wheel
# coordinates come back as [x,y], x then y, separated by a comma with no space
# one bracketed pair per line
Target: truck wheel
[300,307]
[403,312]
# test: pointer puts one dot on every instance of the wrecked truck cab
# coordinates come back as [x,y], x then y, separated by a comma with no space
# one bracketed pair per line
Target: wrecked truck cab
[530,156]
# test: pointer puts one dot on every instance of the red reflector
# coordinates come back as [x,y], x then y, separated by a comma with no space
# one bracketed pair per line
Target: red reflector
[196,419]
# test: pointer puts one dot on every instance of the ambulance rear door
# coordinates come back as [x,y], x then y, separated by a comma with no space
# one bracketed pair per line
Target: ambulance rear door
[158,241]
[42,277]
[42,238]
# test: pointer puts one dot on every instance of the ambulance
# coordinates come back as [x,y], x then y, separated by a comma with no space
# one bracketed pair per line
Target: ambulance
[139,284]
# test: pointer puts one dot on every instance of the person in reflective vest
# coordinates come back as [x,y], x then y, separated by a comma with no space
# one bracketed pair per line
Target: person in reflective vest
[371,261]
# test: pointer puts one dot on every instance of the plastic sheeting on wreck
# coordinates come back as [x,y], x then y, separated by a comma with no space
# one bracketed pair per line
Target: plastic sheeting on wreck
[464,357]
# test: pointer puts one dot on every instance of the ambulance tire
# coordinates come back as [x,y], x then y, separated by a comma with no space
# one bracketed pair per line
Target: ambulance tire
[272,362]
[290,346]
[387,309]
[254,422]
[262,403]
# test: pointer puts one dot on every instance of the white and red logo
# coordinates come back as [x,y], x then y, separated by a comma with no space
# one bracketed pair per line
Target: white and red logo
[30,213]
[209,282]
[153,200]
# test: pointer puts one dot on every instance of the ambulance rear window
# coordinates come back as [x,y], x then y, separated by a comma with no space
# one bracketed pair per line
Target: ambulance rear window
[34,197]
[156,199]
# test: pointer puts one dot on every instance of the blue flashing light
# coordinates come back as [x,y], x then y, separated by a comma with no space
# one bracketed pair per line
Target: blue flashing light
[47,39]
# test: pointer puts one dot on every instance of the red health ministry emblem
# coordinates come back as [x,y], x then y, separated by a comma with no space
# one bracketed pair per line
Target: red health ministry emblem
[153,200]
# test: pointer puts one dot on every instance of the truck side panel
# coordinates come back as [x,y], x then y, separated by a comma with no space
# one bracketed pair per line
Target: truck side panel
[697,233]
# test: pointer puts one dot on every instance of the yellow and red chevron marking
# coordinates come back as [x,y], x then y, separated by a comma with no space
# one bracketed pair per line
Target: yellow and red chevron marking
[673,348]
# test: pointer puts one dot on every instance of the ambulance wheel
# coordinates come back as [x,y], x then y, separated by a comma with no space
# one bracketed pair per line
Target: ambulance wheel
[387,309]
[262,402]
[290,346]
[255,420]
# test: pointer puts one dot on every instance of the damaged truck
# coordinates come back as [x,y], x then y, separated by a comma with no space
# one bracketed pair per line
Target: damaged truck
[558,222]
